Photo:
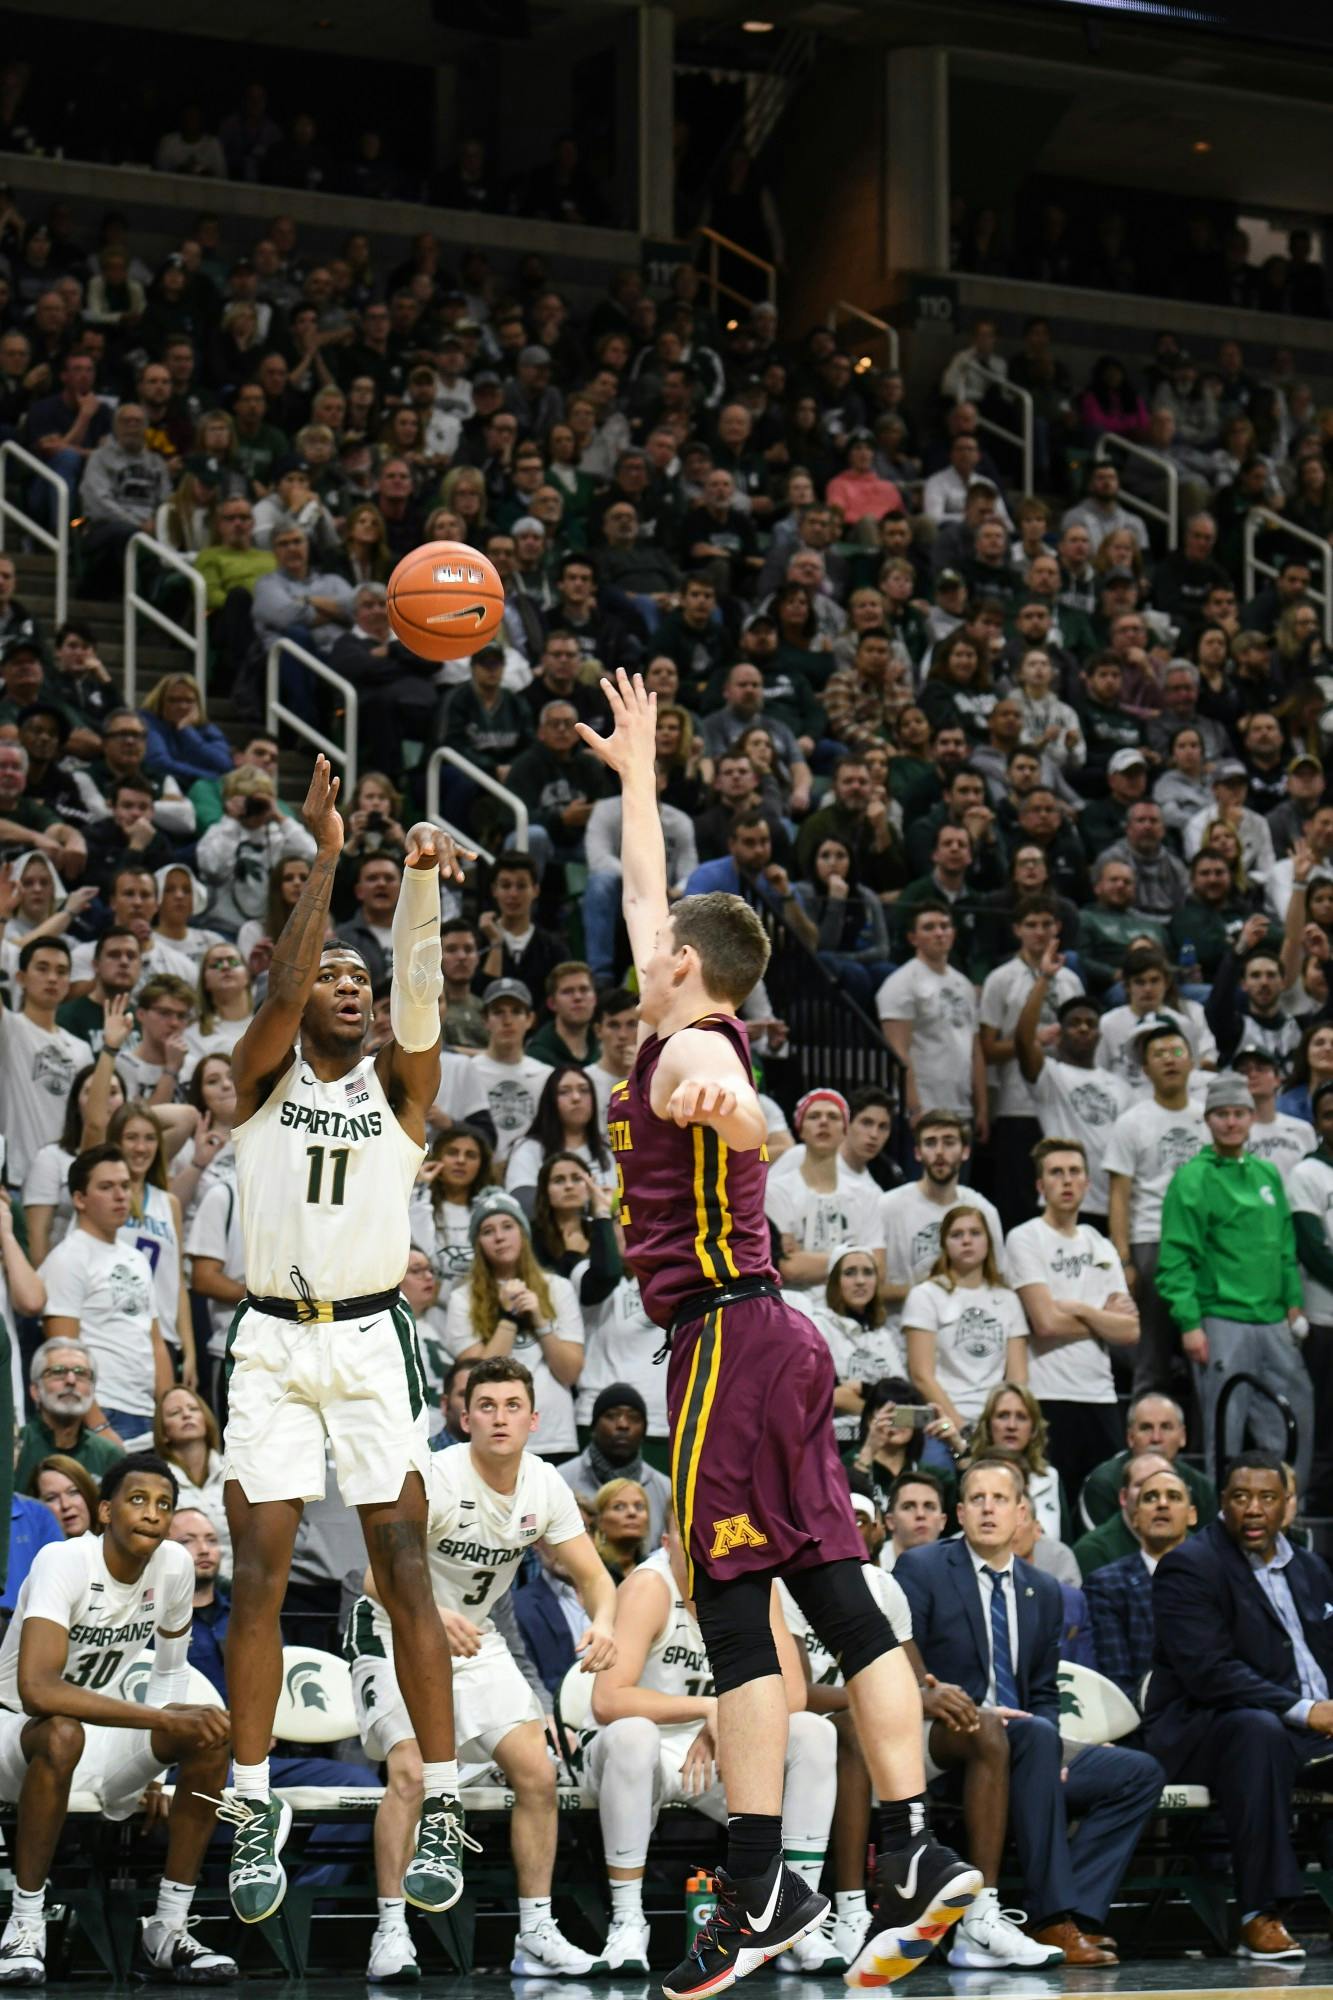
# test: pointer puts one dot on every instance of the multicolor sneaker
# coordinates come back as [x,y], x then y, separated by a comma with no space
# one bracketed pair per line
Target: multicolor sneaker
[434,1877]
[256,1879]
[923,1891]
[753,1921]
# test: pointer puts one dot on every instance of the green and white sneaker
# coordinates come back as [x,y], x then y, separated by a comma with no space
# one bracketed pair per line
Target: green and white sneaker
[256,1879]
[434,1876]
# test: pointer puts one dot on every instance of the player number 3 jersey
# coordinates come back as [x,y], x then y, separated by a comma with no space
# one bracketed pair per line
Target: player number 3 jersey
[109,1623]
[324,1175]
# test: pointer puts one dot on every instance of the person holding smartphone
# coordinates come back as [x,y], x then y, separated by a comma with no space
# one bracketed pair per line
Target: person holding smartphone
[897,1427]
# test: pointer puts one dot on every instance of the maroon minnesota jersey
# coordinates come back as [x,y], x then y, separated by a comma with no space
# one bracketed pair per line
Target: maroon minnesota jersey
[692,1209]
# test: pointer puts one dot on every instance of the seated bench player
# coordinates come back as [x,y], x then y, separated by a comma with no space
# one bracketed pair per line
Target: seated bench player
[87,1608]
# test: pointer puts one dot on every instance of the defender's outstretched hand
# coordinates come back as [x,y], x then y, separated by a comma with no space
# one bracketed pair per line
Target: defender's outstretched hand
[633,743]
[428,846]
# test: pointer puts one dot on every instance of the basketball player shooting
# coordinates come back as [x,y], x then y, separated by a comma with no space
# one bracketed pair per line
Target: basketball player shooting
[758,1487]
[328,1144]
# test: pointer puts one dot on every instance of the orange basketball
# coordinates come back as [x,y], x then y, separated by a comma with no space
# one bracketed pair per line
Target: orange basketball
[445,600]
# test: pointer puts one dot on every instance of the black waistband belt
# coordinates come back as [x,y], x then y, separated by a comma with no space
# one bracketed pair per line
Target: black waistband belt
[700,1303]
[323,1310]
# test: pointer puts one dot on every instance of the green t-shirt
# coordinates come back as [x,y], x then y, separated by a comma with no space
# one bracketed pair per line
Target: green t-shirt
[94,1454]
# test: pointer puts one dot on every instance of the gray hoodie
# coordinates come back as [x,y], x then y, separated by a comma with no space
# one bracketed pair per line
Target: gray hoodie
[124,487]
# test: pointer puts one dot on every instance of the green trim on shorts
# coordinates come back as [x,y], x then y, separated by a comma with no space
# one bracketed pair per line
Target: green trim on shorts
[228,1358]
[362,1641]
[405,1326]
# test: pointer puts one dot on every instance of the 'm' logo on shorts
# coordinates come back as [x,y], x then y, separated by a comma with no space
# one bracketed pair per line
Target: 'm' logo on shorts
[736,1532]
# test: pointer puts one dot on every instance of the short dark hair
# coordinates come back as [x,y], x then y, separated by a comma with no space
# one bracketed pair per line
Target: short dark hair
[499,1368]
[137,1462]
[870,1097]
[1255,1461]
[615,1000]
[517,864]
[128,868]
[107,937]
[453,924]
[29,951]
[84,1165]
[917,1475]
[728,938]
[377,854]
[142,783]
[455,1369]
[1041,904]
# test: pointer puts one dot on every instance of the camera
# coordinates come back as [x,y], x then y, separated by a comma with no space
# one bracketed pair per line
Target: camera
[375,822]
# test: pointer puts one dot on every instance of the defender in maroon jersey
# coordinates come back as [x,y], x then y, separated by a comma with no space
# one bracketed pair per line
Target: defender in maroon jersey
[758,1487]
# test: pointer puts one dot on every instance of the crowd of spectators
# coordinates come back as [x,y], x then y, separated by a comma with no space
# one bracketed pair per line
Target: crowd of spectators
[1045,800]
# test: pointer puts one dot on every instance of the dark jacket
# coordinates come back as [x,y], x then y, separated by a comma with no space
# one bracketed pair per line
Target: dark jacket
[949,1624]
[545,1630]
[1120,1604]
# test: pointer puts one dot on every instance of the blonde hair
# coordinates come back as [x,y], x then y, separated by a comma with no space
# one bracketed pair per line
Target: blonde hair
[203,1002]
[1033,1453]
[605,1495]
[211,1432]
[153,701]
[942,1271]
[464,475]
[137,1108]
[483,1292]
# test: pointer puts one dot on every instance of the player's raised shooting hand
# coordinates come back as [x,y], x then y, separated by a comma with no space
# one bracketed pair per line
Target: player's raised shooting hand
[429,847]
[632,744]
[693,1100]
[320,813]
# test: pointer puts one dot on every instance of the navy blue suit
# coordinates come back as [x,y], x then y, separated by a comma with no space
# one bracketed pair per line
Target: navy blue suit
[545,1630]
[1120,1602]
[1224,1675]
[1111,1792]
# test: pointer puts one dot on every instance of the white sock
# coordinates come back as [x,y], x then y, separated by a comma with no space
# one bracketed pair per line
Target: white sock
[392,1913]
[250,1781]
[30,1904]
[441,1778]
[173,1903]
[627,1902]
[808,1866]
[850,1902]
[533,1913]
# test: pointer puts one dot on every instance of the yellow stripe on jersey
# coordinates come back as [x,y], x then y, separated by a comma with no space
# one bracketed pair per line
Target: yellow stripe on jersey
[712,1210]
[702,1248]
[695,1429]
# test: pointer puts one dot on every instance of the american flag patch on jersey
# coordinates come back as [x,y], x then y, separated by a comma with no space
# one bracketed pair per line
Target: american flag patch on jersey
[527,1524]
[357,1091]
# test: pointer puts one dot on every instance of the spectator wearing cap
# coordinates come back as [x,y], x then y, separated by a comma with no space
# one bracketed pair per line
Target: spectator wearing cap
[1276,1136]
[1229,1277]
[1230,784]
[859,490]
[397,694]
[1245,1004]
[1103,821]
[615,1447]
[1287,823]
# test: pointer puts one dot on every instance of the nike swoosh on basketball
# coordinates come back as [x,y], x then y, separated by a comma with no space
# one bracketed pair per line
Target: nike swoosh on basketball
[762,1922]
[908,1889]
[477,611]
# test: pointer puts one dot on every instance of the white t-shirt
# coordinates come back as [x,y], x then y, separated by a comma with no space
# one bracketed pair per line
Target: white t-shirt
[621,1343]
[37,1071]
[109,1623]
[972,1325]
[860,1354]
[1148,1143]
[1310,1192]
[508,1091]
[909,1224]
[46,1185]
[1076,1103]
[157,956]
[155,1234]
[1083,1267]
[822,1222]
[1119,1026]
[215,1231]
[108,1289]
[788,1163]
[442,1234]
[942,1009]
[1003,998]
[1284,1143]
[220,1041]
[525,1163]
[557,1430]
[891,1599]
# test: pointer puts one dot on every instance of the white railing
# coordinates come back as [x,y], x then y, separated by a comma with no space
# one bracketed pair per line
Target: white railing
[717,286]
[444,755]
[1264,517]
[1022,437]
[842,309]
[342,754]
[1170,471]
[195,641]
[58,543]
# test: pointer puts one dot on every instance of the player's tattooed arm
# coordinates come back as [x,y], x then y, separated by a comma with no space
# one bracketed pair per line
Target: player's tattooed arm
[265,1048]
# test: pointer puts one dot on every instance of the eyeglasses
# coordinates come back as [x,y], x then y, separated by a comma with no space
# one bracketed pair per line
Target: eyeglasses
[79,1373]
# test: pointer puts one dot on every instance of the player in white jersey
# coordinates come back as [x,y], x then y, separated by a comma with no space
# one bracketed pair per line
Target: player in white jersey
[329,1140]
[490,1501]
[86,1610]
[657,1741]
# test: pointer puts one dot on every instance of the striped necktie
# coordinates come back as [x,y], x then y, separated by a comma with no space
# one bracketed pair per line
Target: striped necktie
[1006,1687]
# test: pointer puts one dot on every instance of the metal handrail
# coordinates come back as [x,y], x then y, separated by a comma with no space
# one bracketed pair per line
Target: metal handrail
[196,641]
[1170,514]
[1023,437]
[881,326]
[1231,1384]
[58,543]
[1261,516]
[717,242]
[444,755]
[342,754]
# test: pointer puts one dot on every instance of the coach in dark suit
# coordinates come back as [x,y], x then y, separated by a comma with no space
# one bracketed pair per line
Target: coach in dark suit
[1120,1594]
[990,1624]
[1239,1695]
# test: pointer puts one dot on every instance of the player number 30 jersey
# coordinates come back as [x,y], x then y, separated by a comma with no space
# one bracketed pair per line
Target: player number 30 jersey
[109,1623]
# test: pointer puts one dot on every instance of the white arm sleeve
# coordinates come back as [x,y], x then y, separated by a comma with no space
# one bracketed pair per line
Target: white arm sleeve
[170,1677]
[418,980]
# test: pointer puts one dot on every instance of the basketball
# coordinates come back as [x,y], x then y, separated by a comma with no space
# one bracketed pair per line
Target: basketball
[445,600]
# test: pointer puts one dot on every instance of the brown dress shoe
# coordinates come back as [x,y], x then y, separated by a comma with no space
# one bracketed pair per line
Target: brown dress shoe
[1078,1949]
[1266,1936]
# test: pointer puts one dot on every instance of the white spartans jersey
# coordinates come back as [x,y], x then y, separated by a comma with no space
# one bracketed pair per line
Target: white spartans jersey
[109,1623]
[677,1662]
[324,1174]
[476,1537]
